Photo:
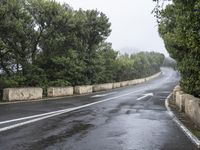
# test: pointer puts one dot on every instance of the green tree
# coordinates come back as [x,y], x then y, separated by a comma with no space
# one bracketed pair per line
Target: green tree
[44,43]
[16,34]
[179,27]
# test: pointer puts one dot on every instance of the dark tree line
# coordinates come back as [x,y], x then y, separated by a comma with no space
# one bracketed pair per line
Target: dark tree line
[44,43]
[179,26]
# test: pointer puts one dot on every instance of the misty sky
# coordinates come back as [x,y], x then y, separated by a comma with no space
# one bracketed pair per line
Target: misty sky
[133,25]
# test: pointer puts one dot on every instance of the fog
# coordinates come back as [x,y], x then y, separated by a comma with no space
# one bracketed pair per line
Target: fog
[134,28]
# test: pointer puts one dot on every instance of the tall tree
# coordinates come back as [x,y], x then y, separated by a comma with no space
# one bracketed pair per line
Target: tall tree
[179,27]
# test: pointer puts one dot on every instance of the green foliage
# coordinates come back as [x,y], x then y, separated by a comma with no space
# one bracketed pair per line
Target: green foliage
[179,27]
[13,81]
[44,43]
[35,76]
[138,65]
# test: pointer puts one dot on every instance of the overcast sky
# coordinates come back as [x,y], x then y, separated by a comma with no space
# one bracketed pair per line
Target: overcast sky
[133,25]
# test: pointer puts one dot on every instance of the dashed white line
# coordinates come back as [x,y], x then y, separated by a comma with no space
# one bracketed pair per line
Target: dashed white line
[186,131]
[146,95]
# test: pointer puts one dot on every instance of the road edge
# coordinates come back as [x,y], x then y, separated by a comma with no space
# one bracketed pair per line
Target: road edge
[186,131]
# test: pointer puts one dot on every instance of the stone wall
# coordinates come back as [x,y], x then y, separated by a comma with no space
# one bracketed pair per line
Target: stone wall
[179,100]
[14,94]
[124,83]
[133,82]
[102,87]
[176,89]
[192,108]
[60,91]
[153,76]
[137,81]
[141,80]
[116,85]
[188,104]
[85,89]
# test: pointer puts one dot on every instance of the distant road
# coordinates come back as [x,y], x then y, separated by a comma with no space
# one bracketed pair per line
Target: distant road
[130,118]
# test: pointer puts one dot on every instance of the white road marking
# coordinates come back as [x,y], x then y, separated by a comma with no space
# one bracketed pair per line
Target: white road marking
[31,121]
[145,95]
[56,113]
[39,115]
[31,117]
[102,95]
[187,132]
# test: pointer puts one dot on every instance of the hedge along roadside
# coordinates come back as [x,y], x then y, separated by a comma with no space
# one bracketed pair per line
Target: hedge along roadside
[28,94]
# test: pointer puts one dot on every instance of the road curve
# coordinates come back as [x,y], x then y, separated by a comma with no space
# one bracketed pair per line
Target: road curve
[130,118]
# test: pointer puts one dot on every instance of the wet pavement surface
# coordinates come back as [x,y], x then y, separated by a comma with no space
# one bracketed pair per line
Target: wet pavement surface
[122,123]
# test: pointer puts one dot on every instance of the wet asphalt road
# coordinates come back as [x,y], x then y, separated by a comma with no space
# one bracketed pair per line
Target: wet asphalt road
[122,121]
